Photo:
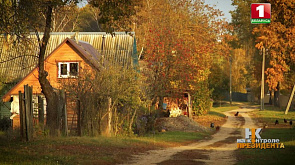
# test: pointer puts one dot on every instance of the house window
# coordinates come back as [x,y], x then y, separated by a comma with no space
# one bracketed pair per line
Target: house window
[68,69]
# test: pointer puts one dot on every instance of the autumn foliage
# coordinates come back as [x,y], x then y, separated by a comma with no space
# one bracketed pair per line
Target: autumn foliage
[278,38]
[179,39]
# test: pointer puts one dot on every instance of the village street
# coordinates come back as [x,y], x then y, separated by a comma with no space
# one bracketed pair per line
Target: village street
[218,150]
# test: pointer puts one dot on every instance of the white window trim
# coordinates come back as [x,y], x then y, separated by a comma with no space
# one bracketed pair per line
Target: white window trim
[68,70]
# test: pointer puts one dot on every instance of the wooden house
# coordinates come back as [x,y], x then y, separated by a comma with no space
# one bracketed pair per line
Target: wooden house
[66,60]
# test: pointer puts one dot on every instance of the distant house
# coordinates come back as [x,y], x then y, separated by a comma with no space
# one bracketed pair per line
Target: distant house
[64,59]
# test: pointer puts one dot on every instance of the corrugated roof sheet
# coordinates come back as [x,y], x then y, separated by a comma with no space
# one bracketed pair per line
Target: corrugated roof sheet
[18,59]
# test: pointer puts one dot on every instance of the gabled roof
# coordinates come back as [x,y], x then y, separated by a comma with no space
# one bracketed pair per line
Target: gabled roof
[85,50]
[91,55]
[19,58]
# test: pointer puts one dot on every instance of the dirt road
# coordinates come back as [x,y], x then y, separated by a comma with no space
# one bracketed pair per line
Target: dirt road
[218,150]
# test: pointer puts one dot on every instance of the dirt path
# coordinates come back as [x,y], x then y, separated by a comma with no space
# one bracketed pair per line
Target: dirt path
[218,150]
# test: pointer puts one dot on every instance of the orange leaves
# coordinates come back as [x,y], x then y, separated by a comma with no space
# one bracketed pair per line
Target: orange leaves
[278,38]
[274,76]
[179,38]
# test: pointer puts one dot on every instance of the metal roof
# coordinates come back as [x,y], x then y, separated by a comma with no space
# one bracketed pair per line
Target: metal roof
[17,59]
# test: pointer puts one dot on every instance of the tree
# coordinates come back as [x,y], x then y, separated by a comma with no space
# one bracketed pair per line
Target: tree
[275,37]
[112,97]
[89,19]
[65,18]
[278,39]
[116,15]
[245,42]
[179,38]
[23,16]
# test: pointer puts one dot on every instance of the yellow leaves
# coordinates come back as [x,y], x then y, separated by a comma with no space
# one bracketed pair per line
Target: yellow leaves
[278,38]
[259,45]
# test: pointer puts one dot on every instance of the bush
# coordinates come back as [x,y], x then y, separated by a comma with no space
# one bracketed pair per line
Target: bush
[5,123]
[202,100]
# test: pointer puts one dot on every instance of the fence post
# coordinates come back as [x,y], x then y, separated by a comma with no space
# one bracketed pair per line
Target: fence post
[22,116]
[190,109]
[109,125]
[64,117]
[41,112]
[28,112]
[79,119]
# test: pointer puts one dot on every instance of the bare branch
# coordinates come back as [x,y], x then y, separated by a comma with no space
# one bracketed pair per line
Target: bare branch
[18,57]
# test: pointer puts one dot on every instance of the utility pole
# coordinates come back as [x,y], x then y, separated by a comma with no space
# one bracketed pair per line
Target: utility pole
[262,80]
[230,80]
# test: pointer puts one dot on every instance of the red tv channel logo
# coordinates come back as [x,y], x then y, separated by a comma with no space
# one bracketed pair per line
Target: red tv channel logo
[260,13]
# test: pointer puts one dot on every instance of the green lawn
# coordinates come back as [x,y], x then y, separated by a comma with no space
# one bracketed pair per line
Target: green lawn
[88,150]
[283,131]
[217,110]
[271,156]
[270,114]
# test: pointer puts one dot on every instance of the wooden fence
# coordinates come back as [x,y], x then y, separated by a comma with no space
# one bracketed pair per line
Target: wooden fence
[27,114]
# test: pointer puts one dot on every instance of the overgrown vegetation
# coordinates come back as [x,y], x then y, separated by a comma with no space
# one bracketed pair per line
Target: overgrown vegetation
[110,100]
[202,99]
[5,123]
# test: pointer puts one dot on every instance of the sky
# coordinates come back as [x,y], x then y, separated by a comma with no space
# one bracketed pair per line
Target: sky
[224,6]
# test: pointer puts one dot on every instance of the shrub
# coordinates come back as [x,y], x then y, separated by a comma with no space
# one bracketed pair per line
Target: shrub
[202,101]
[5,123]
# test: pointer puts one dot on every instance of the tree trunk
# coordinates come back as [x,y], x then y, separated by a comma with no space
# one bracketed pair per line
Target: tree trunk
[277,96]
[190,107]
[109,126]
[131,121]
[41,112]
[271,97]
[160,106]
[47,89]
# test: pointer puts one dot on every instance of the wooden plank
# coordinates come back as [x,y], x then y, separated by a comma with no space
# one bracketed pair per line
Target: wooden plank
[41,112]
[64,127]
[22,116]
[28,112]
[27,115]
[109,126]
[30,88]
[79,124]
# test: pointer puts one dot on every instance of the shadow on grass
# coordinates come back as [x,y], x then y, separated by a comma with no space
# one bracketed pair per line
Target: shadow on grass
[216,113]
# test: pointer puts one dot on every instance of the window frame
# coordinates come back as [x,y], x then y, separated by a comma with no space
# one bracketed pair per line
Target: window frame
[68,70]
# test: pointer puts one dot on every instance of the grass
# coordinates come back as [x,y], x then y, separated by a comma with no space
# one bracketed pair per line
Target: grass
[215,115]
[217,110]
[88,150]
[270,114]
[177,136]
[283,131]
[271,156]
